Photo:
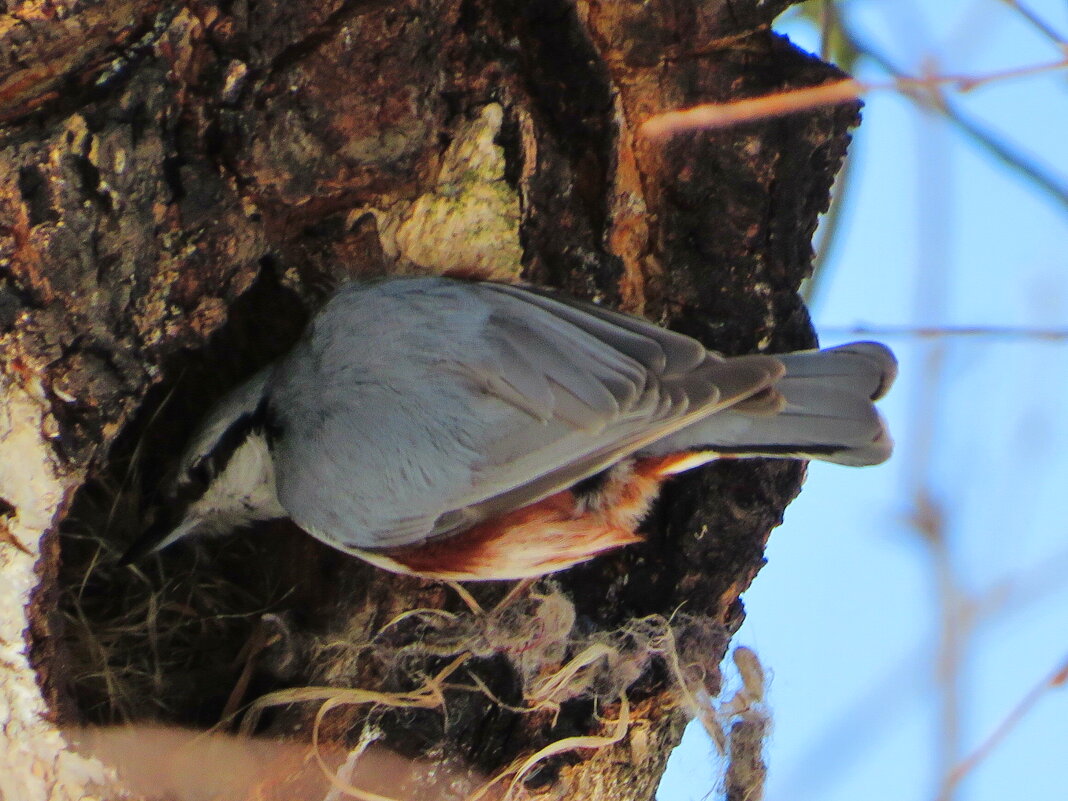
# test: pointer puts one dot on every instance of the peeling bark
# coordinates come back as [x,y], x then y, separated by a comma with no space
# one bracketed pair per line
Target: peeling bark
[179,184]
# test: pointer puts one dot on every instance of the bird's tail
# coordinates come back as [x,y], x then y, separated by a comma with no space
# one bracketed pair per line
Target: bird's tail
[820,409]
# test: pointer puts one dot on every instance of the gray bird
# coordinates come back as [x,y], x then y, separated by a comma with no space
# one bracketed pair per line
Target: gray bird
[446,428]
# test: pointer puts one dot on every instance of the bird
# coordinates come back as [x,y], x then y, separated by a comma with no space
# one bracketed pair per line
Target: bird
[471,430]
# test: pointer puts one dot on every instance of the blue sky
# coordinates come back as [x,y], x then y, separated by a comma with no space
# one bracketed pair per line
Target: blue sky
[846,615]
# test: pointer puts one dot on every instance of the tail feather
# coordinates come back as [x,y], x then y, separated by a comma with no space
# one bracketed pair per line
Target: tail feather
[826,412]
[863,368]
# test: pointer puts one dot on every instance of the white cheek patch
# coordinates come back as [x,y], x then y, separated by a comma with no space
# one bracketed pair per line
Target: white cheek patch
[243,493]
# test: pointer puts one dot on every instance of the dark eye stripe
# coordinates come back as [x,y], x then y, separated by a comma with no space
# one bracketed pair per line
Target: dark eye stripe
[192,486]
[199,476]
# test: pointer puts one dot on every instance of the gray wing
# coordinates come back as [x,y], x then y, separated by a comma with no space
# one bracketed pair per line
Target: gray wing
[475,399]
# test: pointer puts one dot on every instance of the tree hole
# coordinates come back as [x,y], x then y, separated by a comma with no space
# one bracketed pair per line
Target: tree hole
[169,638]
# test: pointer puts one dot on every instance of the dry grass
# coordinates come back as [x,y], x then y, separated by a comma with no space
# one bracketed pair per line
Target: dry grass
[173,640]
[146,642]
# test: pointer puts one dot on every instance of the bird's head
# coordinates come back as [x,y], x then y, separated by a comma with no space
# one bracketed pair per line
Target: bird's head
[225,479]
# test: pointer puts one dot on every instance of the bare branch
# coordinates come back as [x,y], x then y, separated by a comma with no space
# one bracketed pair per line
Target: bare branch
[948,332]
[709,116]
[1057,678]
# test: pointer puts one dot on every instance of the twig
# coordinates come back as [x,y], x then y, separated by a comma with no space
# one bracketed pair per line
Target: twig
[721,115]
[837,743]
[1055,679]
[948,332]
[932,209]
[1037,22]
[985,138]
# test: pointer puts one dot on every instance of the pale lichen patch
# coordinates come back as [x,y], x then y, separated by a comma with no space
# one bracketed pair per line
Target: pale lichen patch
[469,221]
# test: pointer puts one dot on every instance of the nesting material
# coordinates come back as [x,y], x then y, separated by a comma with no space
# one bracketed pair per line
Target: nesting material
[536,633]
[154,642]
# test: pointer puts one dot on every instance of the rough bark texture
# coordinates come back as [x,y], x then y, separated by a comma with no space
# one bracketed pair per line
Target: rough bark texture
[179,183]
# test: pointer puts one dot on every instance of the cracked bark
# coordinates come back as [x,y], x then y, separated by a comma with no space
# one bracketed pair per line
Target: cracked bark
[179,183]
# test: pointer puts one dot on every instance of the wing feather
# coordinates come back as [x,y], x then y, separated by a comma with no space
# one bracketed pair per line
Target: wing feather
[474,400]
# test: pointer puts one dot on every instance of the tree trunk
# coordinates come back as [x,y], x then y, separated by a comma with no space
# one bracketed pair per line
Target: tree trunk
[180,184]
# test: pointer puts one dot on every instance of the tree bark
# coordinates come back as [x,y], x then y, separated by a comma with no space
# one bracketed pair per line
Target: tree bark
[181,183]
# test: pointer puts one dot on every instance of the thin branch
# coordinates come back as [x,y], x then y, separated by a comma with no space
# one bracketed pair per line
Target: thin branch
[1055,679]
[948,332]
[828,23]
[721,115]
[979,133]
[1037,22]
[837,741]
[934,213]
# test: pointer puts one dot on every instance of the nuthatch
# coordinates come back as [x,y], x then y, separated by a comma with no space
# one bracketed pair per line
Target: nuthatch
[447,428]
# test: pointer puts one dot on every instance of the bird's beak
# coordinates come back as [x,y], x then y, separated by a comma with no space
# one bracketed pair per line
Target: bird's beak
[158,536]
